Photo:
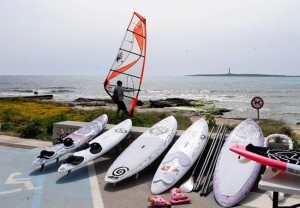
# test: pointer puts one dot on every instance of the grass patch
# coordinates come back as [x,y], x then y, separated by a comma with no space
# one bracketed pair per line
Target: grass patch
[274,127]
[34,119]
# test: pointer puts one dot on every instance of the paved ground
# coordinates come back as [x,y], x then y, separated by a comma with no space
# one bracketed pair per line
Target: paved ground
[24,186]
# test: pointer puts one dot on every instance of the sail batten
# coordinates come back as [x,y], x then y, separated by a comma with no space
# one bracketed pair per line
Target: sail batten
[136,34]
[129,64]
[130,75]
[131,52]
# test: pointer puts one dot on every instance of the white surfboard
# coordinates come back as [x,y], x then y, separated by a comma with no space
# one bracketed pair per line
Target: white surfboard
[234,175]
[143,151]
[98,146]
[181,157]
[71,142]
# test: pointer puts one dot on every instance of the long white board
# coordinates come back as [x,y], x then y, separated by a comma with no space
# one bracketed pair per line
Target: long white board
[143,151]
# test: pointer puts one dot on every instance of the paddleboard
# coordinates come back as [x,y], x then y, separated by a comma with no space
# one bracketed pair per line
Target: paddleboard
[280,159]
[234,176]
[98,146]
[181,157]
[71,142]
[143,151]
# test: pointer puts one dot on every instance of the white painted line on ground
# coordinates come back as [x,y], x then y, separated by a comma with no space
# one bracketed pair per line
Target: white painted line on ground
[96,194]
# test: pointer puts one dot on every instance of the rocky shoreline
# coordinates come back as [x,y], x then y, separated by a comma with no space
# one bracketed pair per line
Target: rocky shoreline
[194,109]
[175,104]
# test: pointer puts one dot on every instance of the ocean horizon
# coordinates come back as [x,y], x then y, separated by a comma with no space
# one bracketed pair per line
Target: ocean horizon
[280,94]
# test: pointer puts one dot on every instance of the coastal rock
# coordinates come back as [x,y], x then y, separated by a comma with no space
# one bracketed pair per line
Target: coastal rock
[180,101]
[298,123]
[98,103]
[86,100]
[221,111]
[159,104]
[170,102]
[139,103]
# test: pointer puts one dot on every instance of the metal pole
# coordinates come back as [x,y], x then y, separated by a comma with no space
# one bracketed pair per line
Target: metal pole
[200,176]
[212,159]
[212,167]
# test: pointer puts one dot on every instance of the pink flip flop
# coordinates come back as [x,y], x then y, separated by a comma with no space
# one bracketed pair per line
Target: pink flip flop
[177,197]
[158,201]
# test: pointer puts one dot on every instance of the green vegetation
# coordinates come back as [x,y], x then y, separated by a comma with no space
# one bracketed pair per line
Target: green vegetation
[210,117]
[270,126]
[201,103]
[34,119]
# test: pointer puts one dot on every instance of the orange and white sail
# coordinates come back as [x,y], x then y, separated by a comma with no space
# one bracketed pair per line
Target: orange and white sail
[129,63]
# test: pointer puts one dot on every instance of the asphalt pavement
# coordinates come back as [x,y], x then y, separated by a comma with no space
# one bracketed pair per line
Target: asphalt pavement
[24,186]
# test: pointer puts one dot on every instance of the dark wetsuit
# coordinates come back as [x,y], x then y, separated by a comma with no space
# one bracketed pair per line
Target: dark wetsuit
[120,103]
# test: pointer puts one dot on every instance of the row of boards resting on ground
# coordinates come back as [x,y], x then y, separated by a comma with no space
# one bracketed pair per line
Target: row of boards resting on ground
[141,153]
[233,178]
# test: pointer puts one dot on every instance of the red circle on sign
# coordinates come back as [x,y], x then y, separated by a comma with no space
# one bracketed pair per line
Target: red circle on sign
[257,102]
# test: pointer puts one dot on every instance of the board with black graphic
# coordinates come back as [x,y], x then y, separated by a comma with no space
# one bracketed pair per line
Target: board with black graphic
[71,142]
[97,147]
[280,159]
[143,151]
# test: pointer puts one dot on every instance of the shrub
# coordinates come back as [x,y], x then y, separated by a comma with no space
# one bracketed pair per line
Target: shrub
[296,145]
[33,130]
[7,127]
[210,118]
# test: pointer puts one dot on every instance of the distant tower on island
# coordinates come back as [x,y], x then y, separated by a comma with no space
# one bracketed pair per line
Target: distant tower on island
[229,73]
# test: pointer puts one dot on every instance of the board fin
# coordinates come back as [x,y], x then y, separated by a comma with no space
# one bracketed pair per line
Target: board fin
[270,172]
[42,167]
[68,174]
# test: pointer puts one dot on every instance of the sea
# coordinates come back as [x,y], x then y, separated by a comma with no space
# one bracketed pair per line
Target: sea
[281,95]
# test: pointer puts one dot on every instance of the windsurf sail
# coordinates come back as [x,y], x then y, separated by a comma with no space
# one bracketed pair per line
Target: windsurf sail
[129,63]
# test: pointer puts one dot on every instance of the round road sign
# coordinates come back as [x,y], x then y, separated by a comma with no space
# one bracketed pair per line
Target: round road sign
[257,102]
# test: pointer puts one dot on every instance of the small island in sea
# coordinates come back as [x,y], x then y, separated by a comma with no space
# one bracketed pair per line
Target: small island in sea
[229,74]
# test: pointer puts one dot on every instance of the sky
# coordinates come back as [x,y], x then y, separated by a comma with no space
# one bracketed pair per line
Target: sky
[82,37]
